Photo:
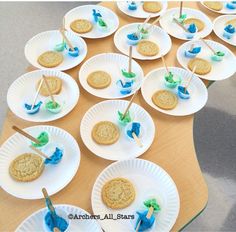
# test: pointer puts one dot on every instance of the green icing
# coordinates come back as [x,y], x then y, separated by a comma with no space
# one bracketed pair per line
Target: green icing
[128,74]
[169,78]
[43,139]
[152,203]
[52,106]
[220,53]
[144,31]
[101,22]
[127,117]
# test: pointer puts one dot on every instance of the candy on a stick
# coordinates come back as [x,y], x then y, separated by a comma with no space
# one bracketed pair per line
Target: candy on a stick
[192,52]
[231,5]
[229,31]
[133,38]
[132,5]
[133,132]
[102,25]
[96,15]
[191,31]
[124,88]
[43,139]
[127,119]
[56,157]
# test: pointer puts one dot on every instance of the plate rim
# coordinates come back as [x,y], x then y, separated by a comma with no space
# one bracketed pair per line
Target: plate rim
[218,12]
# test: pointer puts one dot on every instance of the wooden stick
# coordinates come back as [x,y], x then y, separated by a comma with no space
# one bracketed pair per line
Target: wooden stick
[153,23]
[66,39]
[178,23]
[37,93]
[137,140]
[180,9]
[49,90]
[130,59]
[28,136]
[145,22]
[39,152]
[163,61]
[189,80]
[130,103]
[214,52]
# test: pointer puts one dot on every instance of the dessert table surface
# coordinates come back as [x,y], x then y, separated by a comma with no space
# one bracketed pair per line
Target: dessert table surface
[172,149]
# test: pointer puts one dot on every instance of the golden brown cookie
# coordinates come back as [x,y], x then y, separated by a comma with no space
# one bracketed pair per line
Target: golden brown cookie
[165,99]
[147,48]
[217,6]
[199,24]
[232,22]
[99,79]
[54,83]
[81,26]
[26,167]
[118,193]
[152,7]
[202,66]
[50,59]
[105,133]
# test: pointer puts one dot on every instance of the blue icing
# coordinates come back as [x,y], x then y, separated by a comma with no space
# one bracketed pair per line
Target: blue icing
[127,84]
[230,29]
[145,223]
[231,5]
[135,129]
[192,28]
[132,36]
[182,89]
[34,110]
[61,223]
[74,53]
[125,88]
[132,6]
[96,15]
[195,50]
[55,158]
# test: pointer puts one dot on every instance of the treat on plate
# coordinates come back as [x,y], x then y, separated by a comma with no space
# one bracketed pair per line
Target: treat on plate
[231,5]
[53,106]
[118,193]
[197,22]
[143,32]
[214,5]
[192,52]
[229,31]
[105,133]
[74,52]
[202,66]
[172,80]
[181,18]
[81,26]
[183,93]
[96,15]
[50,59]
[54,83]
[146,218]
[132,5]
[29,110]
[218,56]
[165,99]
[152,7]
[43,139]
[60,47]
[99,79]
[133,38]
[26,167]
[102,25]
[191,31]
[124,87]
[147,48]
[124,120]
[55,158]
[128,76]
[133,127]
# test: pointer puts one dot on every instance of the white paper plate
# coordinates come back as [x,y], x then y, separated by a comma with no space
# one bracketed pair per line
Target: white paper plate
[107,111]
[85,12]
[35,222]
[150,181]
[220,24]
[176,31]
[54,178]
[159,36]
[23,90]
[139,13]
[116,63]
[154,81]
[225,10]
[46,41]
[220,70]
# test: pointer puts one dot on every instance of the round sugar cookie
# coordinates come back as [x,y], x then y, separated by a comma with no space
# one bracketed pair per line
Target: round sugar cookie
[232,22]
[118,193]
[99,79]
[105,133]
[202,66]
[217,6]
[81,26]
[147,48]
[165,99]
[26,167]
[199,23]
[50,59]
[152,7]
[55,85]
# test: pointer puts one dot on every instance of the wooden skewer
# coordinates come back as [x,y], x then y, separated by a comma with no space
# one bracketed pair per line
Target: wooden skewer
[163,61]
[37,93]
[130,59]
[130,103]
[137,140]
[214,52]
[180,9]
[189,80]
[39,152]
[66,39]
[178,23]
[49,90]
[192,46]
[148,216]
[153,23]
[28,136]
[145,22]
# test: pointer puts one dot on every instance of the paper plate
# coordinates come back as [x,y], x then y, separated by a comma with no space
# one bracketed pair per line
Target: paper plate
[46,41]
[154,81]
[219,25]
[54,178]
[140,13]
[150,181]
[224,10]
[107,111]
[24,89]
[36,220]
[220,70]
[176,31]
[158,35]
[116,63]
[85,12]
